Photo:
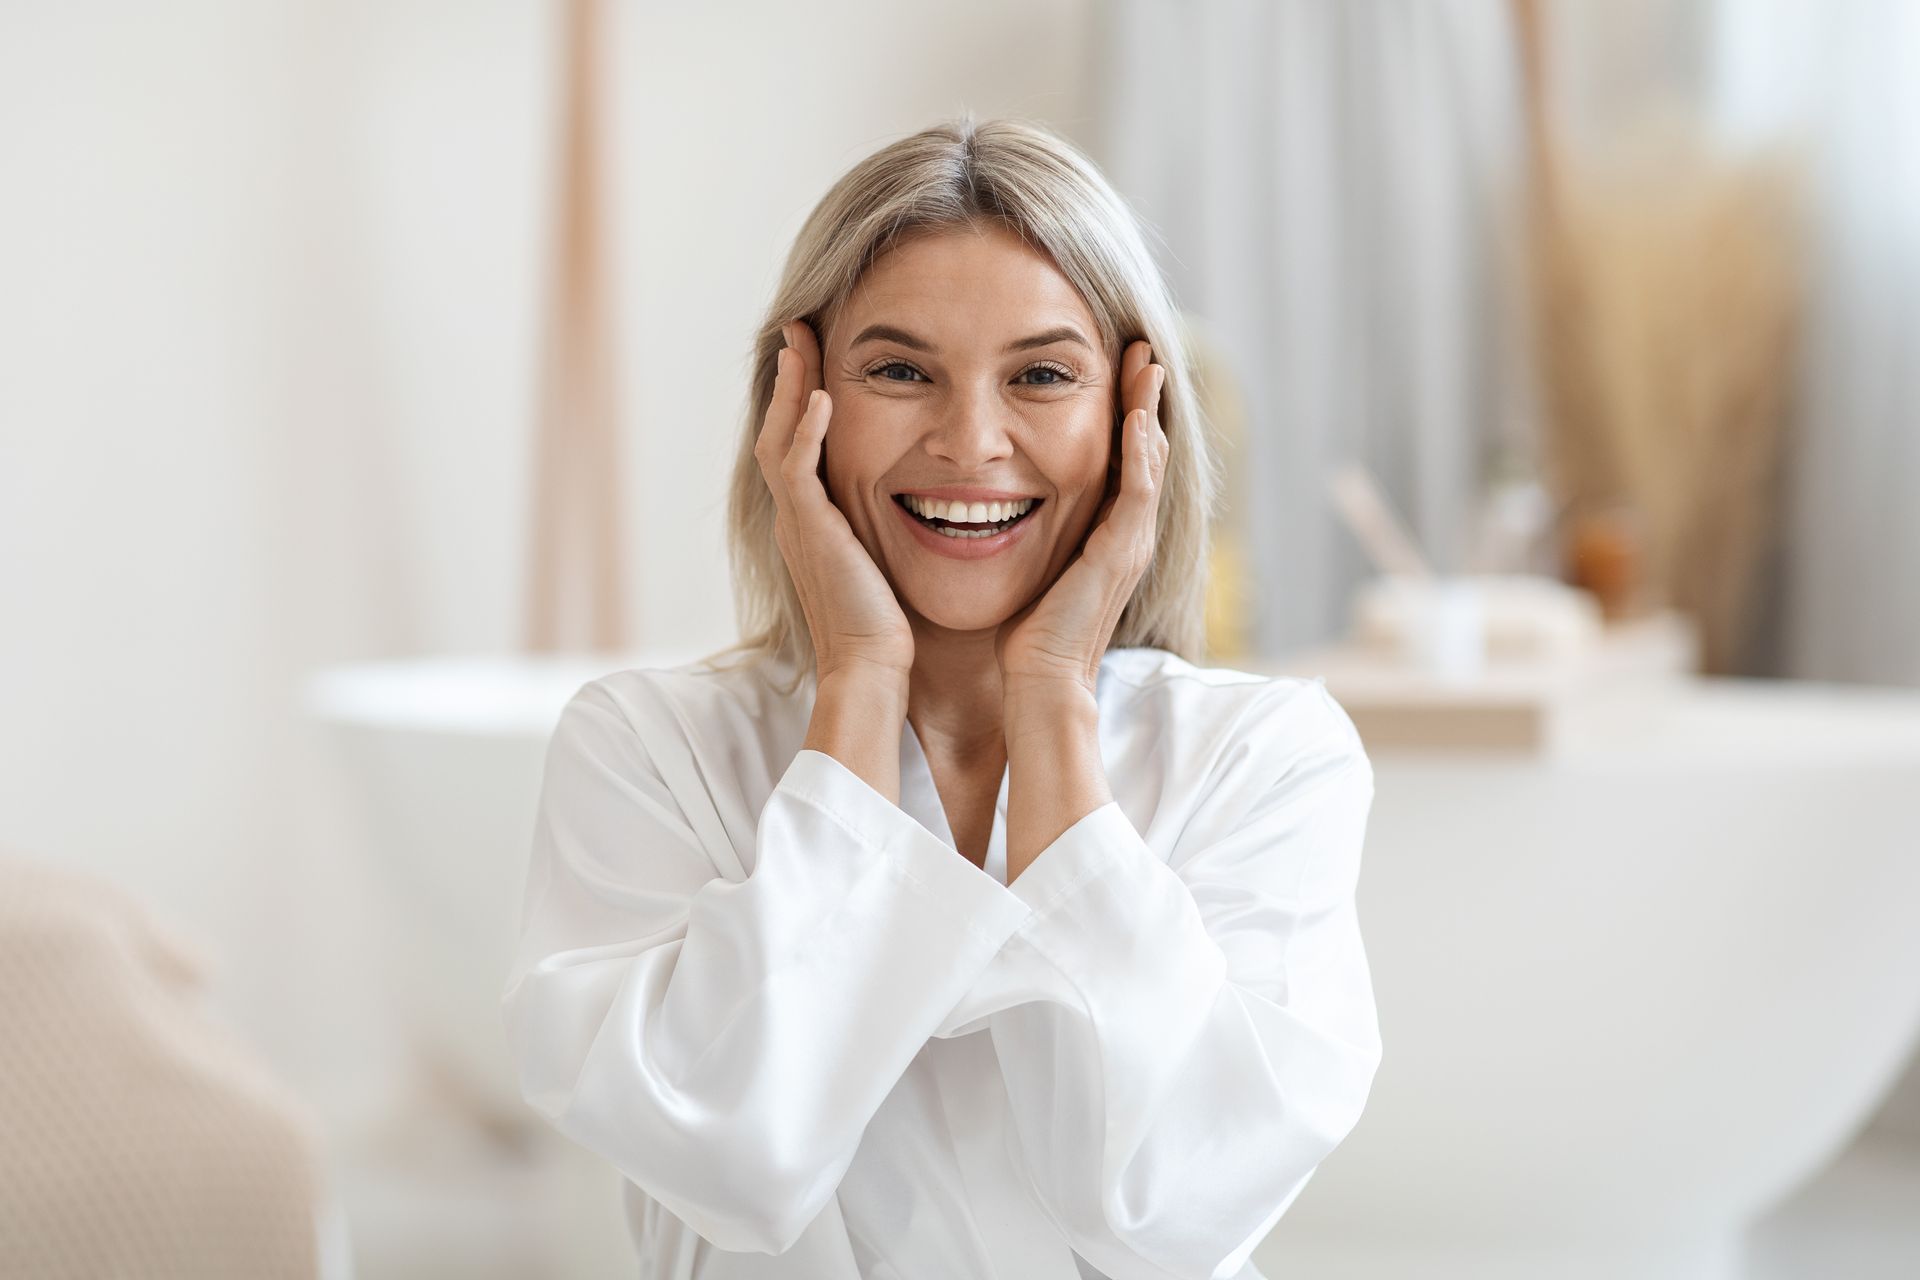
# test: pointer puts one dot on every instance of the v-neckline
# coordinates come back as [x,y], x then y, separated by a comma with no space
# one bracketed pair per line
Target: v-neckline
[920,796]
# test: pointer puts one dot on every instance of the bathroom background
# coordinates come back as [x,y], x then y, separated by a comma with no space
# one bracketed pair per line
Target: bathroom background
[369,375]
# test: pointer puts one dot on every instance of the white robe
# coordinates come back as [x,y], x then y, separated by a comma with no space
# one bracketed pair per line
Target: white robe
[818,1042]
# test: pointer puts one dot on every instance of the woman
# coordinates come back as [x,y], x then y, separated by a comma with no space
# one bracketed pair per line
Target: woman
[959,926]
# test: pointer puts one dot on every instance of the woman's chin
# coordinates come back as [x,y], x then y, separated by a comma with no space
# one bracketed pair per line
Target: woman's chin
[973,615]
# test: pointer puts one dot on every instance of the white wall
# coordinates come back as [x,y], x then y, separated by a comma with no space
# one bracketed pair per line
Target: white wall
[271,276]
[143,178]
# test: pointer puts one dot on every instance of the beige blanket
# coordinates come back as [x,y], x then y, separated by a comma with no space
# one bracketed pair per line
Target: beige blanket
[138,1137]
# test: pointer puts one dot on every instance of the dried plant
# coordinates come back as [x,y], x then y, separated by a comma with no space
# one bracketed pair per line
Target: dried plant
[1667,294]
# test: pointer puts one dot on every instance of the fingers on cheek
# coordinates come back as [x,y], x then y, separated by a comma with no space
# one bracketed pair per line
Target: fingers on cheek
[1152,446]
[1138,471]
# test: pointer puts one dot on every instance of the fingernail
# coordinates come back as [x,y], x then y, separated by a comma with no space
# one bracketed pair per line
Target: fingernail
[786,334]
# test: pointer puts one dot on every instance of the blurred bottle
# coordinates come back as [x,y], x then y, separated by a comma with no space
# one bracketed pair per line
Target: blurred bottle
[1606,553]
[1511,535]
[1228,619]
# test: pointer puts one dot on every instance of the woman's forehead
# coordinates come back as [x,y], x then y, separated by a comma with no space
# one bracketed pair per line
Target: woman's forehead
[965,287]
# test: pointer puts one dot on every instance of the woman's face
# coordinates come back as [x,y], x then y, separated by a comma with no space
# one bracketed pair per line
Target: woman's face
[965,367]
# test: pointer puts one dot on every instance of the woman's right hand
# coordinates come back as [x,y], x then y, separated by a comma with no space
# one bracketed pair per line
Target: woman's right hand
[856,622]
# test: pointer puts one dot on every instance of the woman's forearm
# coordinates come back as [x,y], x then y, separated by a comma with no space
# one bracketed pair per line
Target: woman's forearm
[1056,776]
[857,717]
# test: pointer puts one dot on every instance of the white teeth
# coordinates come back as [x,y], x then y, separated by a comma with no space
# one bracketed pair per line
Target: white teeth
[967,513]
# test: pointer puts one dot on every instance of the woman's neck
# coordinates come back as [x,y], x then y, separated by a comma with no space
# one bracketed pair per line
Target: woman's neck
[953,693]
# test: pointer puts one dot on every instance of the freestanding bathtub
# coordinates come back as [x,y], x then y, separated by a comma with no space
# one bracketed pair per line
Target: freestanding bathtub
[1630,994]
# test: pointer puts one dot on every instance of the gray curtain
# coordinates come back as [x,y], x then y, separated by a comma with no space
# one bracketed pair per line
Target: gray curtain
[1841,83]
[1334,182]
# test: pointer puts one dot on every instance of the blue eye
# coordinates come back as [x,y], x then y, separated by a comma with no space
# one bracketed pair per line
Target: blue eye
[882,370]
[1059,375]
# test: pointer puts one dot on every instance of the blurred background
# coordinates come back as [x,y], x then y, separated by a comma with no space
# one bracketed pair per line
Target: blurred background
[369,379]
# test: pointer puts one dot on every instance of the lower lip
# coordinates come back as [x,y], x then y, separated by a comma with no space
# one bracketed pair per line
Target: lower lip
[964,548]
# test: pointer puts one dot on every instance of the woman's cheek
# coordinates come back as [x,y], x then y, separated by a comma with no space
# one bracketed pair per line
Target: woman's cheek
[855,456]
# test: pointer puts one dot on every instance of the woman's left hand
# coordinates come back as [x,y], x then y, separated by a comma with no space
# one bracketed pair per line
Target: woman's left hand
[1058,640]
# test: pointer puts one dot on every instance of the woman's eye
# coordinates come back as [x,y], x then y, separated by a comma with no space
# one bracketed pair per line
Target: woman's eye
[1039,375]
[1054,376]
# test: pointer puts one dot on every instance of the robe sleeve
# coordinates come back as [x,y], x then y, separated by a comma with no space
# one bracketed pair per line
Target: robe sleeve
[724,1042]
[1205,1029]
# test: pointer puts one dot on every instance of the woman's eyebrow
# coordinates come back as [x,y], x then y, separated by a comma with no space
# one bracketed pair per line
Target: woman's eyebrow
[1046,338]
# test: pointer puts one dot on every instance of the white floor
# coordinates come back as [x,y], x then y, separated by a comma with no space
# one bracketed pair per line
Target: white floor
[436,1203]
[1859,1220]
[437,1198]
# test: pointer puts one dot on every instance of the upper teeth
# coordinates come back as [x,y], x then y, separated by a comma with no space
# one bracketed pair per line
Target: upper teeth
[967,512]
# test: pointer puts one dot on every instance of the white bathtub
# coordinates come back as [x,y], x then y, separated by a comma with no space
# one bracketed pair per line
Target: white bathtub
[1629,996]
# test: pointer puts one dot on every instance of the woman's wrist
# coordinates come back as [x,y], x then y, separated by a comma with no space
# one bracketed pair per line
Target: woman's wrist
[857,715]
[1030,706]
[1056,774]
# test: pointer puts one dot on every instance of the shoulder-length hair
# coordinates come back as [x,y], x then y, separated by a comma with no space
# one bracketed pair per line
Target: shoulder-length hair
[1032,182]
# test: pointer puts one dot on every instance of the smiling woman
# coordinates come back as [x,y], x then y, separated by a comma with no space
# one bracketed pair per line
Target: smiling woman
[964,254]
[961,923]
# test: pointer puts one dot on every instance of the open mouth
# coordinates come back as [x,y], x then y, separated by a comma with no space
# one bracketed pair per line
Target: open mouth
[967,519]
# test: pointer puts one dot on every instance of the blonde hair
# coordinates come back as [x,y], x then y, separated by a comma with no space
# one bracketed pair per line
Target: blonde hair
[1022,177]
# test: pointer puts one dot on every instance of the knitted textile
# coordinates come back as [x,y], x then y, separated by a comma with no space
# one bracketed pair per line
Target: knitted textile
[138,1137]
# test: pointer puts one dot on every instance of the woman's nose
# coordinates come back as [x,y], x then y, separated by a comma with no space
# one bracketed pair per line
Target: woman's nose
[973,428]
